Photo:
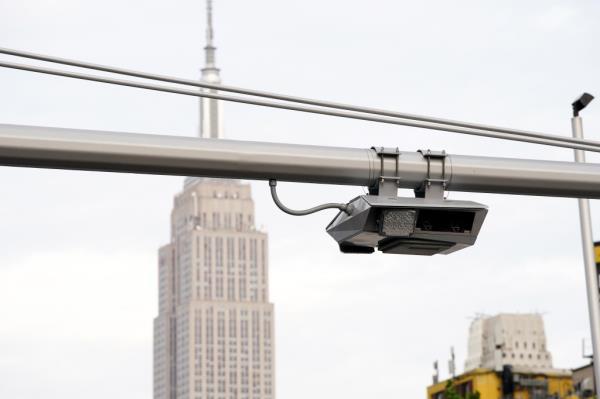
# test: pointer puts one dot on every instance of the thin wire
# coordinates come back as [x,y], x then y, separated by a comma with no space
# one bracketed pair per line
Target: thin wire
[585,145]
[301,100]
[347,208]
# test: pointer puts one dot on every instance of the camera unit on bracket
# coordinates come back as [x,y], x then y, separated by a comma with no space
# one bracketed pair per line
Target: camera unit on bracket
[426,225]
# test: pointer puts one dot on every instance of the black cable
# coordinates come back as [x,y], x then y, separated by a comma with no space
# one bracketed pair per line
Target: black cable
[342,207]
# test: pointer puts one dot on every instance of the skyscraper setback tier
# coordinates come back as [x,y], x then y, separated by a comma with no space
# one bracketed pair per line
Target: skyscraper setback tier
[214,332]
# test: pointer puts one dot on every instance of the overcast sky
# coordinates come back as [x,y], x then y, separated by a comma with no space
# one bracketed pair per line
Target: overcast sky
[78,273]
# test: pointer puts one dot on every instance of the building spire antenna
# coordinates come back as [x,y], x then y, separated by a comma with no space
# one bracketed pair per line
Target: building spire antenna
[209,49]
[209,25]
[211,124]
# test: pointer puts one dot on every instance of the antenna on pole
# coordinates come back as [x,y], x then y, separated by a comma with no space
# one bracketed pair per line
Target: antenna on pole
[209,48]
[211,118]
[209,25]
[436,372]
[452,363]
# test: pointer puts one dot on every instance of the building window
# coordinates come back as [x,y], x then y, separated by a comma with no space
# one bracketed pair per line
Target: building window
[239,221]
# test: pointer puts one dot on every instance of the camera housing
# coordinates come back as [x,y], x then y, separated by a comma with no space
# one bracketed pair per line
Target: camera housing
[413,226]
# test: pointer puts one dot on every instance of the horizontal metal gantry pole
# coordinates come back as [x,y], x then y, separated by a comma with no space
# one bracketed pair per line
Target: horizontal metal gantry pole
[58,148]
[286,102]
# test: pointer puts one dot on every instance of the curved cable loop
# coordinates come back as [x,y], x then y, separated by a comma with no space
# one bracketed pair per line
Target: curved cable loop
[347,208]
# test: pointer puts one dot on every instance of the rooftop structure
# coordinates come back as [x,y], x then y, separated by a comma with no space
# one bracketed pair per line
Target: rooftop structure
[508,339]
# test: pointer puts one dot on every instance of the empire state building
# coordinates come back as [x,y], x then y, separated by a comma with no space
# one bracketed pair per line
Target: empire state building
[213,336]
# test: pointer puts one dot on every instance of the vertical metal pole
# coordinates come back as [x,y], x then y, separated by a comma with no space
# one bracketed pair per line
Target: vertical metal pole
[591,276]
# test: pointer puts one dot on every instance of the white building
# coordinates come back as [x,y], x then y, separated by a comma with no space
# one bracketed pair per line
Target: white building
[508,339]
[213,336]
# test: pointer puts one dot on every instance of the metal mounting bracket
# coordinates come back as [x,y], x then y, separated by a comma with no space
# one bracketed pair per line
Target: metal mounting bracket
[434,185]
[388,181]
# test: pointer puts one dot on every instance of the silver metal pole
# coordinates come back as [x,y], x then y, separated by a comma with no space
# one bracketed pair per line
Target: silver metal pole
[58,148]
[458,127]
[276,96]
[591,275]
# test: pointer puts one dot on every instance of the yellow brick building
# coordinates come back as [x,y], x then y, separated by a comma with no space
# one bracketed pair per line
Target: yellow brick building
[511,383]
